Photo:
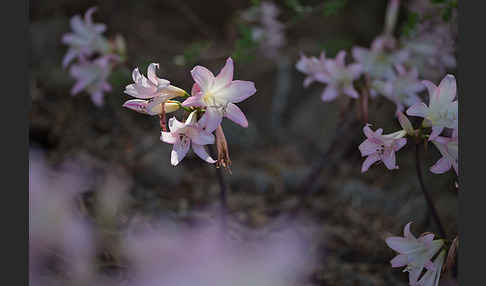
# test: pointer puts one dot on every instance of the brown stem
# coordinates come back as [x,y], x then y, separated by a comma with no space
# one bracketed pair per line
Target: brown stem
[428,199]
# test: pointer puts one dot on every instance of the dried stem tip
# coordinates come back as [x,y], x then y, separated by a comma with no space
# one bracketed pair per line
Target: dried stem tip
[223,153]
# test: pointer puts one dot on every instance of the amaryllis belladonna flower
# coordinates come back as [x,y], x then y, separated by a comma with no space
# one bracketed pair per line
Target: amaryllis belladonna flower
[442,111]
[219,95]
[181,135]
[449,149]
[415,253]
[379,147]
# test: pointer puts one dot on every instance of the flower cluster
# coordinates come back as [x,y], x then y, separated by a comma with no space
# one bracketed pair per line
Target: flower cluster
[440,117]
[268,31]
[95,56]
[416,254]
[212,98]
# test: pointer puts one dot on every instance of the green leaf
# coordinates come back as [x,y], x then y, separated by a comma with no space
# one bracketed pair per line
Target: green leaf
[333,7]
[411,23]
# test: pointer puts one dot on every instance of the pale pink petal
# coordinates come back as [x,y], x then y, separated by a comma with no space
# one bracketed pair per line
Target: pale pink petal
[80,85]
[355,70]
[138,105]
[308,80]
[359,53]
[202,153]
[399,143]
[203,77]
[70,55]
[441,166]
[350,91]
[369,161]
[235,114]
[225,76]
[367,148]
[136,75]
[151,73]
[193,101]
[168,137]
[432,88]
[418,109]
[89,14]
[202,138]
[448,88]
[399,260]
[430,266]
[340,57]
[436,131]
[211,119]
[179,151]
[97,98]
[427,238]
[400,244]
[175,125]
[236,91]
[329,93]
[195,91]
[389,159]
[406,231]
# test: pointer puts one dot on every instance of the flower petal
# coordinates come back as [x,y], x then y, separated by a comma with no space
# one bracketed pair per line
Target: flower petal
[448,88]
[203,77]
[179,151]
[329,93]
[236,91]
[389,159]
[367,148]
[350,91]
[235,114]
[369,161]
[168,137]
[436,131]
[193,101]
[202,153]
[211,119]
[399,260]
[441,166]
[175,125]
[418,109]
[137,105]
[225,76]
[151,73]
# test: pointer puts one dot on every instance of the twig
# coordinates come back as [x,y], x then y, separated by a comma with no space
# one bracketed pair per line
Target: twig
[428,199]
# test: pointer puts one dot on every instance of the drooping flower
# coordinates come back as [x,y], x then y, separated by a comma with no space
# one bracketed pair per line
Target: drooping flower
[432,276]
[219,95]
[181,135]
[152,87]
[401,88]
[86,38]
[449,149]
[339,78]
[379,147]
[415,253]
[92,77]
[442,111]
[313,67]
[378,62]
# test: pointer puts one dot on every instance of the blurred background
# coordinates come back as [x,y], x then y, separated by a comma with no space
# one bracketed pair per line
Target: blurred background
[290,129]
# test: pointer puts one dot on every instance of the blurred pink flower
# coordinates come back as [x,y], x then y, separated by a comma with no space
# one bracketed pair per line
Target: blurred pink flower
[378,61]
[313,67]
[333,72]
[182,134]
[86,38]
[270,34]
[442,111]
[219,95]
[378,147]
[339,78]
[414,252]
[92,77]
[401,88]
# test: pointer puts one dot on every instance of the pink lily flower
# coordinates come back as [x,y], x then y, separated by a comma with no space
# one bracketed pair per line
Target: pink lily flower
[181,135]
[414,252]
[401,88]
[151,107]
[378,147]
[86,38]
[340,78]
[449,149]
[442,111]
[92,77]
[219,95]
